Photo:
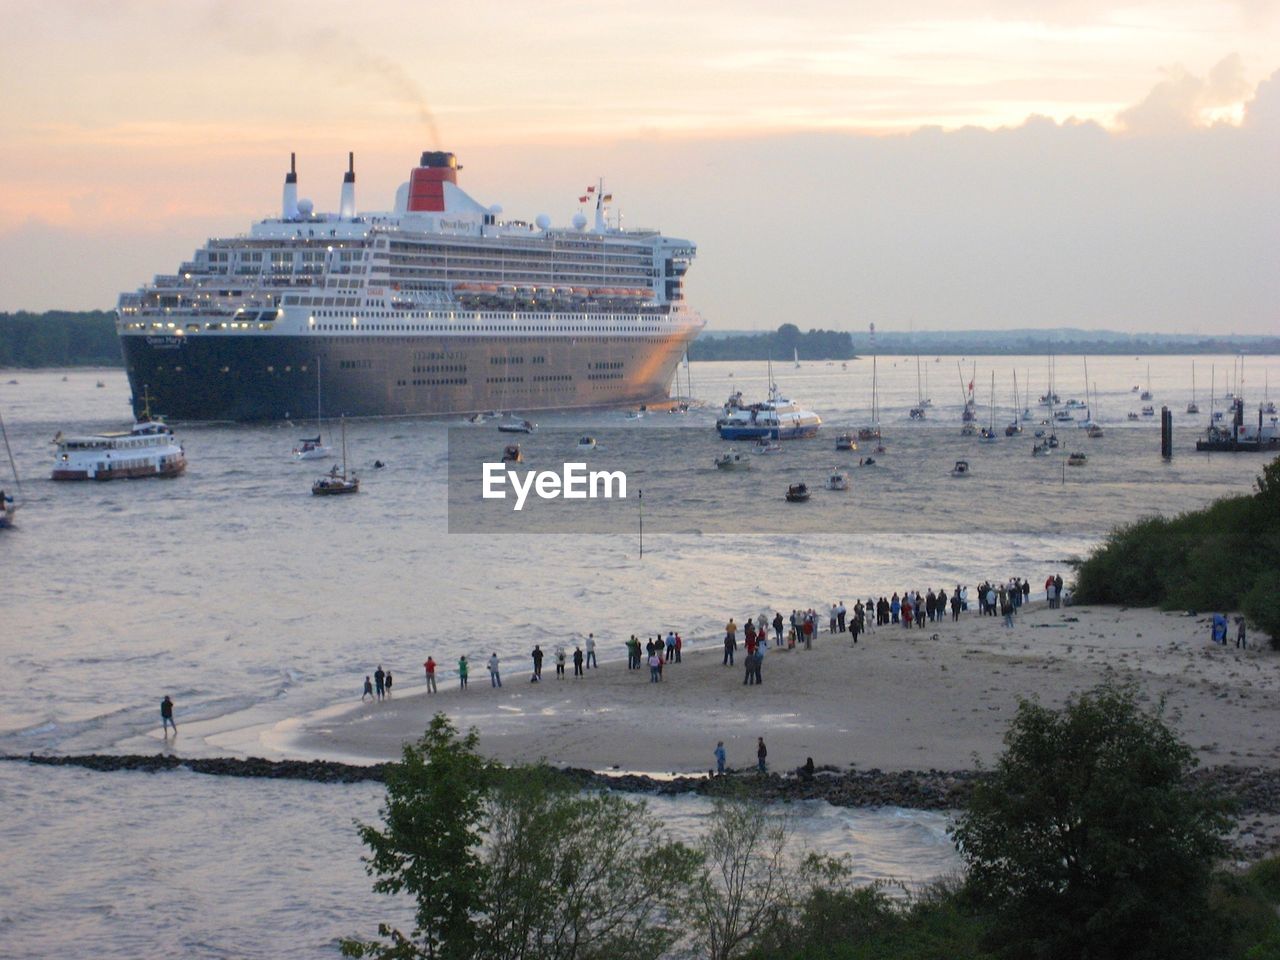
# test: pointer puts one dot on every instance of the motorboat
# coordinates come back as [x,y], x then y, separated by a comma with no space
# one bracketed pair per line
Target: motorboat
[1051,441]
[514,425]
[1148,411]
[961,469]
[867,462]
[1131,415]
[1063,416]
[1013,429]
[585,442]
[1077,460]
[768,447]
[100,384]
[917,413]
[1074,404]
[988,435]
[774,419]
[1041,449]
[1094,432]
[838,481]
[846,442]
[867,434]
[968,430]
[512,454]
[797,493]
[635,415]
[733,461]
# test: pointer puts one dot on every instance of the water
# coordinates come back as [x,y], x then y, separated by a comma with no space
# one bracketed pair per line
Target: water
[251,602]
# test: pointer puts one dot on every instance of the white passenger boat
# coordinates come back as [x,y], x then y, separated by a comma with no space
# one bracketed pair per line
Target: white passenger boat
[838,480]
[733,461]
[149,449]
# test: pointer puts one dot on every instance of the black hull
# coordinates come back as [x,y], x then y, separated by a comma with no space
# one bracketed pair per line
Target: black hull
[262,377]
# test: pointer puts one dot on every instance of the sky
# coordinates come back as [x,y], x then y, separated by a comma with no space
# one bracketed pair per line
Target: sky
[943,164]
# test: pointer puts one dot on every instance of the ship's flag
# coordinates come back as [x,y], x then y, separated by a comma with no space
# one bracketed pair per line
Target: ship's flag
[607,197]
[971,386]
[582,199]
[591,189]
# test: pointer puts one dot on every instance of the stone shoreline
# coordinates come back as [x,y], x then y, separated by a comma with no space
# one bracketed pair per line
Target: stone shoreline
[1255,790]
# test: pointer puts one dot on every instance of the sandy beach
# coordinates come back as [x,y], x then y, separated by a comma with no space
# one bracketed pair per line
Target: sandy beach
[898,700]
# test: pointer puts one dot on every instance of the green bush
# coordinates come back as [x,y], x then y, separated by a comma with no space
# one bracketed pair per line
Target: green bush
[1224,557]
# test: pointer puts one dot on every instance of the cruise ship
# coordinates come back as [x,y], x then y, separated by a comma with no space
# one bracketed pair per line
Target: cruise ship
[439,306]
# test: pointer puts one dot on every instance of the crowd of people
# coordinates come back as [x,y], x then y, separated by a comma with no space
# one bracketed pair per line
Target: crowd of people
[910,608]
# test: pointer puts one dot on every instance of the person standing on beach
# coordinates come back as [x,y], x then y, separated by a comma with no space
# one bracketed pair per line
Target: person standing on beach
[166,716]
[730,645]
[855,626]
[720,758]
[1240,638]
[757,664]
[655,668]
[462,672]
[777,628]
[560,660]
[591,650]
[430,667]
[842,613]
[379,681]
[679,647]
[761,753]
[368,689]
[577,662]
[671,645]
[495,678]
[749,668]
[537,663]
[387,683]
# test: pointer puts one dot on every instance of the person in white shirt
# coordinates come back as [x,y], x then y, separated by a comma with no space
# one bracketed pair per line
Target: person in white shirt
[495,678]
[591,650]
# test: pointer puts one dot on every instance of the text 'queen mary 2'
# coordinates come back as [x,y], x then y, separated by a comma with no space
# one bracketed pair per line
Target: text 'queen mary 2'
[437,307]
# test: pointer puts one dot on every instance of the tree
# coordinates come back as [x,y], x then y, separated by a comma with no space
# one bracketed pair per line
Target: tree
[516,865]
[428,849]
[1088,839]
[746,886]
[575,876]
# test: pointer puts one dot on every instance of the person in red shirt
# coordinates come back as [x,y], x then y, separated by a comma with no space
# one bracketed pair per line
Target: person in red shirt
[430,667]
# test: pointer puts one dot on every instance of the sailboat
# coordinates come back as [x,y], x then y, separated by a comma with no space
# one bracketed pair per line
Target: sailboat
[872,432]
[1268,405]
[989,431]
[917,412]
[311,448]
[683,401]
[1193,407]
[9,505]
[1014,426]
[337,482]
[796,352]
[970,413]
[1146,394]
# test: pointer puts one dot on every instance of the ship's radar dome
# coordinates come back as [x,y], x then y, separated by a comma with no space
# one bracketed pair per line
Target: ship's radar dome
[543,221]
[305,207]
[579,221]
[496,209]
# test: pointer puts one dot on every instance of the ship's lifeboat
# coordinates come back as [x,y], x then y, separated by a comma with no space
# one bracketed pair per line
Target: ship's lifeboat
[546,293]
[526,292]
[581,293]
[506,291]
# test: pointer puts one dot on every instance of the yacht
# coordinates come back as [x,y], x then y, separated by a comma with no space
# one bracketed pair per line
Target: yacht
[838,481]
[774,419]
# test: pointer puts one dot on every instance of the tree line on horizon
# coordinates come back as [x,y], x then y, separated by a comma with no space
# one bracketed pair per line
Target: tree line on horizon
[59,338]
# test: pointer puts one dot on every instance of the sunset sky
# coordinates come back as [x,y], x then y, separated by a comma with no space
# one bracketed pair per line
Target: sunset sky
[933,164]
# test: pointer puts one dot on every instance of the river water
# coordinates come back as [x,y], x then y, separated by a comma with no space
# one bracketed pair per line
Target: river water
[250,602]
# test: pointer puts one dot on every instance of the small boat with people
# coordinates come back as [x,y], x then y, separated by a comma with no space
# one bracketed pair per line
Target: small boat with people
[838,480]
[774,419]
[867,462]
[511,453]
[961,469]
[1076,459]
[798,493]
[1131,415]
[1148,411]
[337,481]
[586,442]
[1094,432]
[768,447]
[1041,449]
[516,425]
[846,442]
[149,449]
[733,461]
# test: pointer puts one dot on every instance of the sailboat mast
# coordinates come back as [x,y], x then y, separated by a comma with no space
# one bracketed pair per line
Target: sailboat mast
[12,463]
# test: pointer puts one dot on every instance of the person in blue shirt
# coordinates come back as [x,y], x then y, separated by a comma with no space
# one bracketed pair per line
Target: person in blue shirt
[720,758]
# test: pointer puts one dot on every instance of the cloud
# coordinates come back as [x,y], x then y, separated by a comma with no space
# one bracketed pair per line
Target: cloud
[1183,100]
[1263,111]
